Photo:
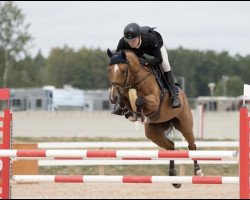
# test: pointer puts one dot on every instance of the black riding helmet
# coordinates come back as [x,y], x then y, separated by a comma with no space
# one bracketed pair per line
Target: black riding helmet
[131,31]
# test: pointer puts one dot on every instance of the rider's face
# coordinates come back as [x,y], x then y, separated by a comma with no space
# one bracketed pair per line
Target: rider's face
[134,42]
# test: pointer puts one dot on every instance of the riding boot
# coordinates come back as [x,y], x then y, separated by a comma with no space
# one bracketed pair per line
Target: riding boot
[174,92]
[119,108]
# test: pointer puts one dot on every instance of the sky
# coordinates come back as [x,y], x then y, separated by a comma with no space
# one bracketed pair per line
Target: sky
[208,25]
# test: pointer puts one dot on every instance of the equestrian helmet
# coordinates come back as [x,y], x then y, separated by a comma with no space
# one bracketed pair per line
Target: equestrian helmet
[131,31]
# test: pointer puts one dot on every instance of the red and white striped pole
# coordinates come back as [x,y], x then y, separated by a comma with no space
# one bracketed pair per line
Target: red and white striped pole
[244,153]
[125,154]
[125,179]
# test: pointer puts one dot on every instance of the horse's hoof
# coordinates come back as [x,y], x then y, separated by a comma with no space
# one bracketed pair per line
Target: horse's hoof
[176,185]
[199,173]
[132,119]
[172,172]
[128,114]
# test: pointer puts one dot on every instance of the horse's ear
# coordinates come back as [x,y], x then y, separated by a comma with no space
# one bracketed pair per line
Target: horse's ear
[124,55]
[110,54]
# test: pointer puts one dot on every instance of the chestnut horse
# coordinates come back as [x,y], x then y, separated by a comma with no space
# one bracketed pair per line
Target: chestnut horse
[137,87]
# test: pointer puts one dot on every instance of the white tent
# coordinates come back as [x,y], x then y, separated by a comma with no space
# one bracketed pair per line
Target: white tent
[66,97]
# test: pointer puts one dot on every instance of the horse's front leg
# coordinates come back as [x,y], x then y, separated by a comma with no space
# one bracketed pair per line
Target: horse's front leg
[147,104]
[140,102]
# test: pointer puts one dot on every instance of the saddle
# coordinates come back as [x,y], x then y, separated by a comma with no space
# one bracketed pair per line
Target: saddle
[161,79]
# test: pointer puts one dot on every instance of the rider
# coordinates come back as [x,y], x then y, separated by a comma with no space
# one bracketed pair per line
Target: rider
[145,40]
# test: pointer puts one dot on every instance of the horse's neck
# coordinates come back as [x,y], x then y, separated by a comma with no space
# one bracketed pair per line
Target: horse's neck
[135,66]
[135,69]
[138,72]
[143,78]
[133,62]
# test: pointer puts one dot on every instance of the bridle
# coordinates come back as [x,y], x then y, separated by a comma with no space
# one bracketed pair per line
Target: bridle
[125,85]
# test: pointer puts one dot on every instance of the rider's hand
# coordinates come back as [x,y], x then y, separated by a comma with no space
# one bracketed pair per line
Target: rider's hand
[143,62]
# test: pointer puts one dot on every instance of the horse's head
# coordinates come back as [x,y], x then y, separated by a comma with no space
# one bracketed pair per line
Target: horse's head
[119,74]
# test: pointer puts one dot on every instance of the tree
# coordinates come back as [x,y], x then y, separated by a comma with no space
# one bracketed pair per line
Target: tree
[28,72]
[61,65]
[234,86]
[14,36]
[85,69]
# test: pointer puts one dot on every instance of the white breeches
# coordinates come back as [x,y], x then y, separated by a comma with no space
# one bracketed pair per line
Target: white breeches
[165,63]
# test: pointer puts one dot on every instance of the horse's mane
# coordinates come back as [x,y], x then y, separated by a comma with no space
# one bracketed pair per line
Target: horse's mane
[133,53]
[130,54]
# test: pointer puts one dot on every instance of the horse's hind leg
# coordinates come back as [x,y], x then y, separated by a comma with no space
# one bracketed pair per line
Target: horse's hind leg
[186,128]
[156,133]
[172,172]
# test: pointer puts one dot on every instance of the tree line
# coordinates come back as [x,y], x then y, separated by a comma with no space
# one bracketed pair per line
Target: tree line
[86,68]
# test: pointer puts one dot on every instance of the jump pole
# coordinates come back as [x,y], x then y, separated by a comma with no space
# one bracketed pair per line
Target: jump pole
[125,179]
[118,154]
[200,121]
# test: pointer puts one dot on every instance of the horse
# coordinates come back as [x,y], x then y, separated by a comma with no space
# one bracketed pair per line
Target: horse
[138,89]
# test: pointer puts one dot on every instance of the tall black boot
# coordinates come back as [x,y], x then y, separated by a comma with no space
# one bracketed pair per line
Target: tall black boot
[119,108]
[174,92]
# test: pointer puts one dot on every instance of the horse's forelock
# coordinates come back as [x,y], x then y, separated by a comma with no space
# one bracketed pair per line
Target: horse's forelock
[118,58]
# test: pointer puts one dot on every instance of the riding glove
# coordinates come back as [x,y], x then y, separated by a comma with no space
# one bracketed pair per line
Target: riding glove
[143,62]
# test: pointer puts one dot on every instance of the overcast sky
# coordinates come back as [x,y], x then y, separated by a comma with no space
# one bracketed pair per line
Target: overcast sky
[211,25]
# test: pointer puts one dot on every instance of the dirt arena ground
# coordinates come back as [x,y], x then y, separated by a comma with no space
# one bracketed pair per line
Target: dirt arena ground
[123,191]
[217,125]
